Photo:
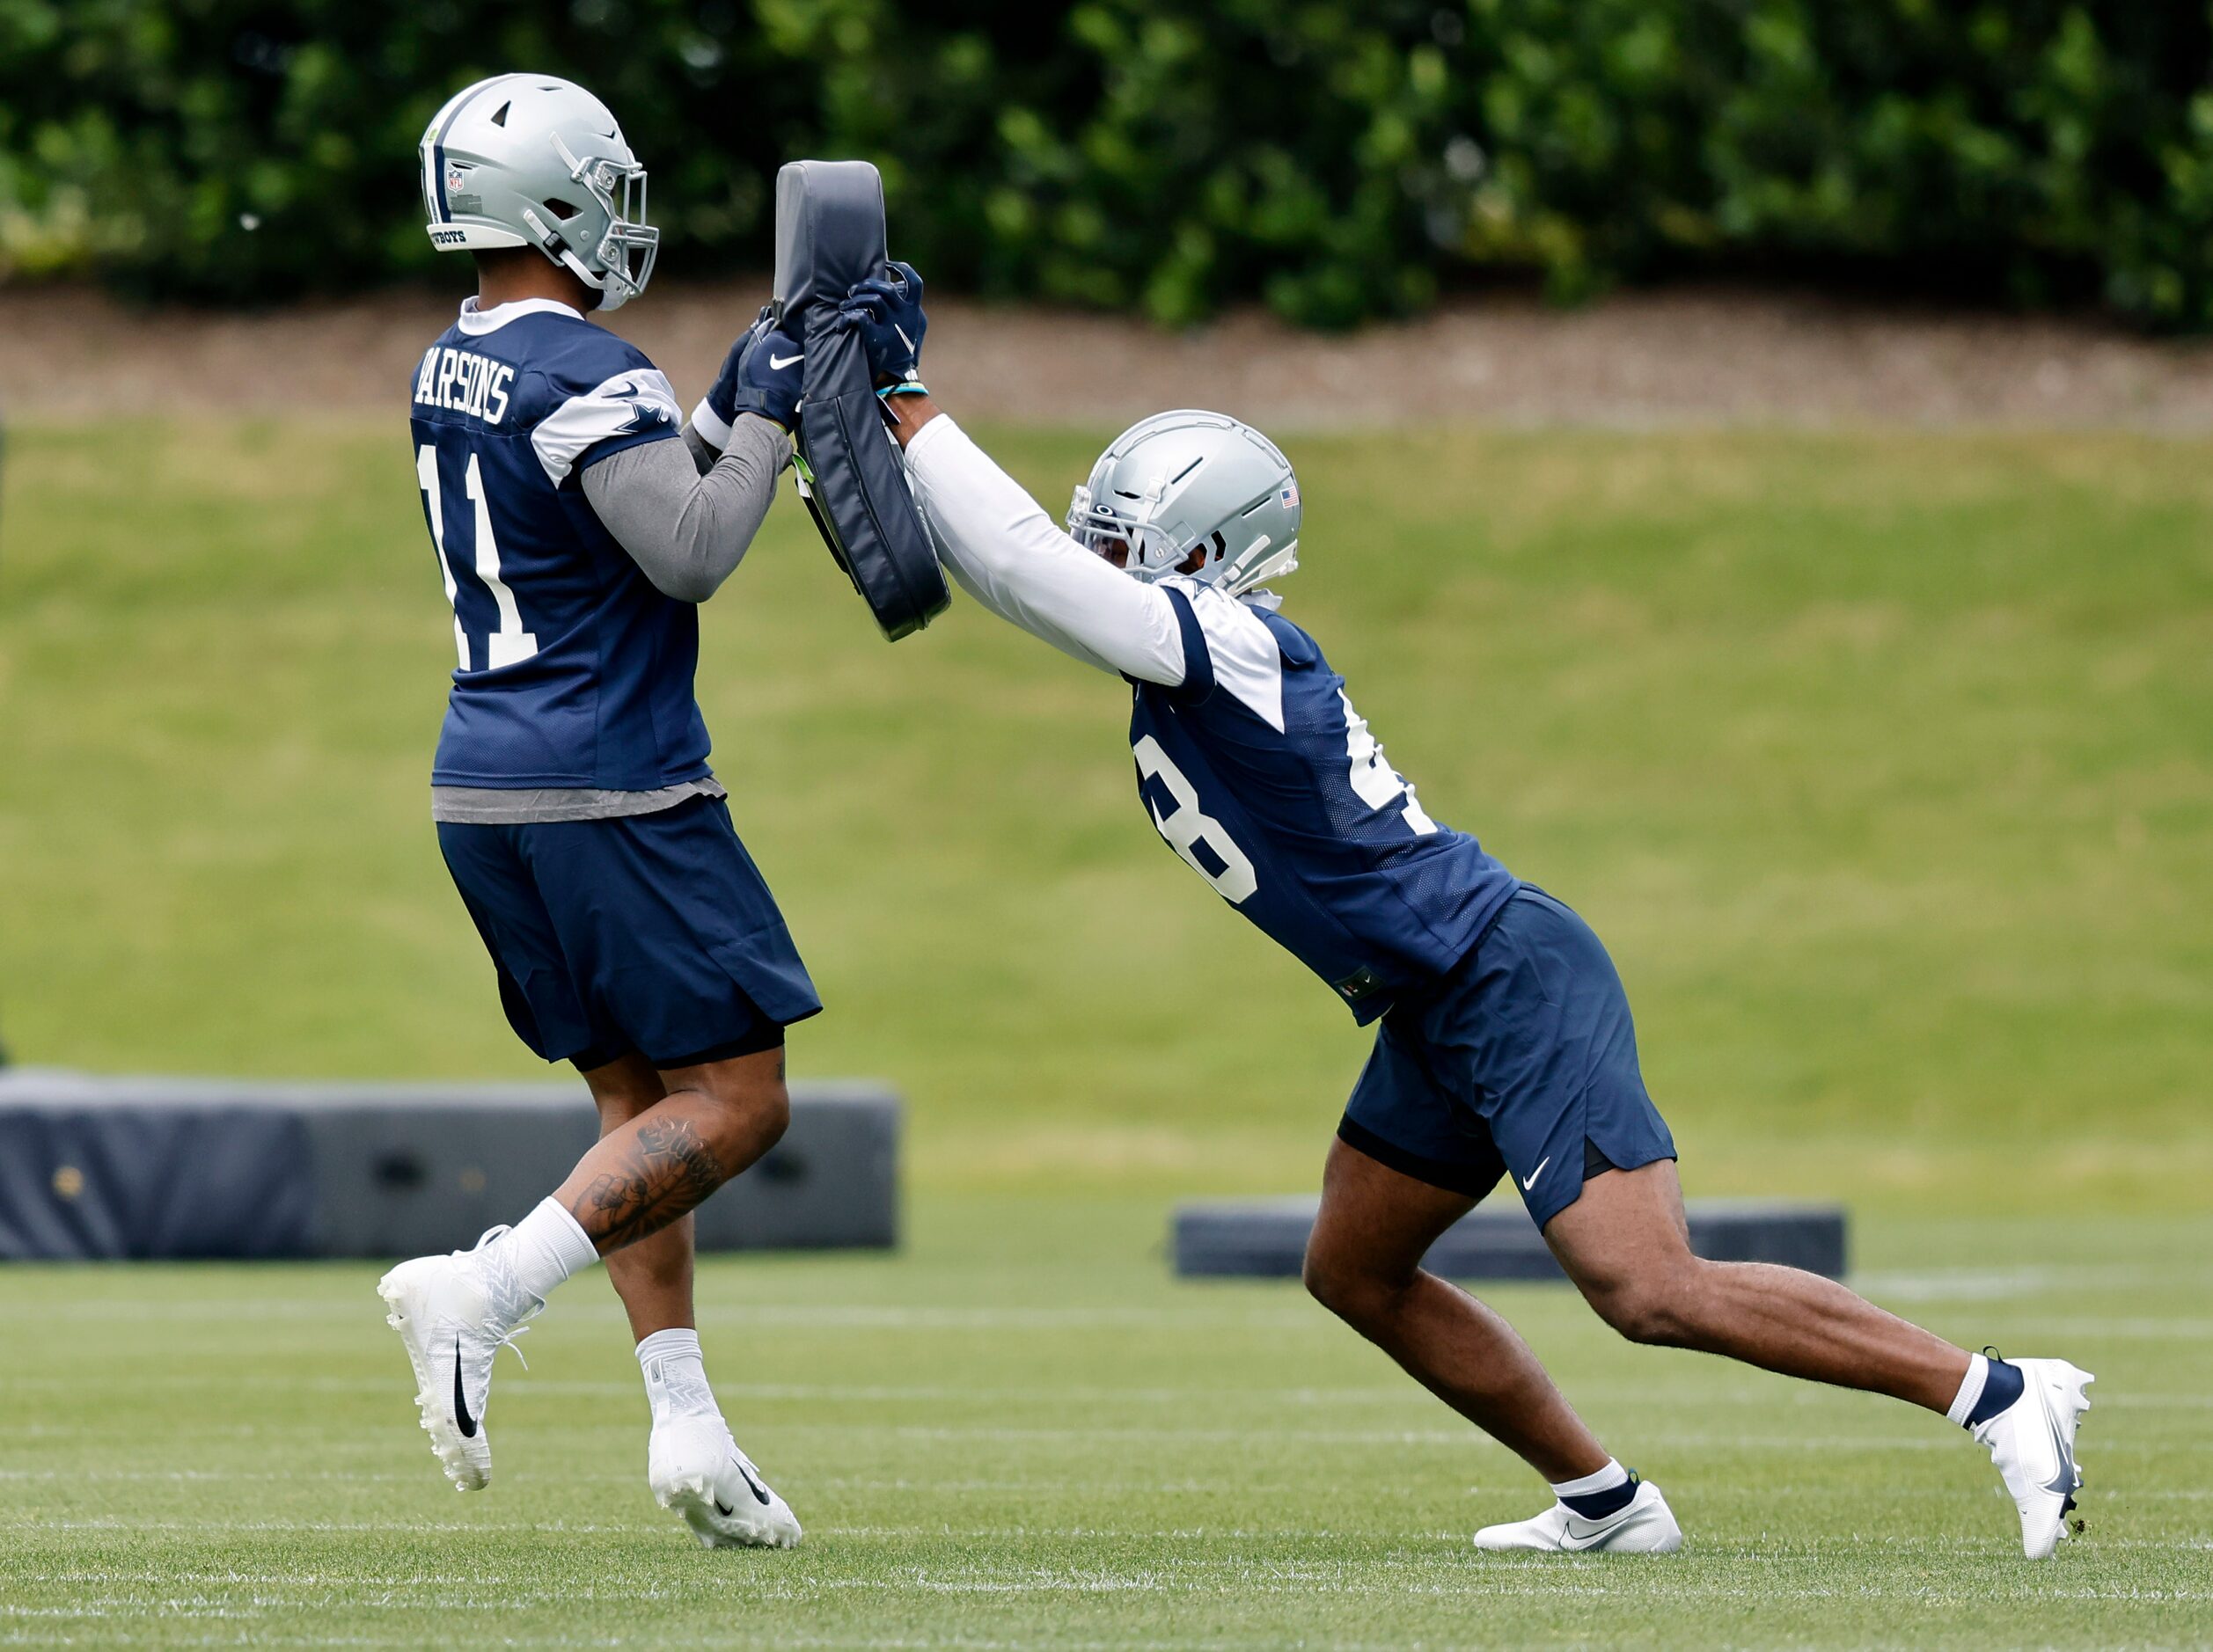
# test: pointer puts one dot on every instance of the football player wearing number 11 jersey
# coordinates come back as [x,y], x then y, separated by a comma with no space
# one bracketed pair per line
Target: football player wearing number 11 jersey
[577,519]
[1503,1043]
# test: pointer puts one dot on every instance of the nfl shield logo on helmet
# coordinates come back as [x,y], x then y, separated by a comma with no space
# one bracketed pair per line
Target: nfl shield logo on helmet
[453,179]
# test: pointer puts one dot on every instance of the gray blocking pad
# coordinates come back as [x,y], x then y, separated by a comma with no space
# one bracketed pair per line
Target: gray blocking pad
[1267,1238]
[98,1167]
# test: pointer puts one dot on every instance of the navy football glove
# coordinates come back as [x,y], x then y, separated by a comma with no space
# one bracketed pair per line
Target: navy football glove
[760,376]
[889,312]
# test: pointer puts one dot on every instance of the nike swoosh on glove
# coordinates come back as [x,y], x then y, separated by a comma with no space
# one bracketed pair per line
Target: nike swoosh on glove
[760,375]
[888,310]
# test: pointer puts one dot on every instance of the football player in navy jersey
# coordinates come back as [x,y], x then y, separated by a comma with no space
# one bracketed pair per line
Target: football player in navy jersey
[577,518]
[1504,1044]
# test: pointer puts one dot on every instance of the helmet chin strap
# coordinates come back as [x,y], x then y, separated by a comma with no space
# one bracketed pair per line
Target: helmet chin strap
[555,246]
[1256,565]
[613,293]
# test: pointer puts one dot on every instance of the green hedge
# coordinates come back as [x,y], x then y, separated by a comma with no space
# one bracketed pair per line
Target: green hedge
[1339,158]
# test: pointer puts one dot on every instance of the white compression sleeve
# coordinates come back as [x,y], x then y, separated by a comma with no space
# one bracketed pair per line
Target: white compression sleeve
[1007,553]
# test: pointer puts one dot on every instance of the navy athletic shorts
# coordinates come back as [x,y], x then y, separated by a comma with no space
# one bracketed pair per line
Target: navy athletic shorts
[652,933]
[1523,1060]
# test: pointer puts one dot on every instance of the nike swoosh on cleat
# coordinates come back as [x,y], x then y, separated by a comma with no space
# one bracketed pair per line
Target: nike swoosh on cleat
[1531,1179]
[461,1417]
[759,1491]
[723,1508]
[778,362]
[1571,1538]
[2063,1482]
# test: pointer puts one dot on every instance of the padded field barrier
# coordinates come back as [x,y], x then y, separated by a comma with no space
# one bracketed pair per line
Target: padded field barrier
[143,1167]
[1267,1238]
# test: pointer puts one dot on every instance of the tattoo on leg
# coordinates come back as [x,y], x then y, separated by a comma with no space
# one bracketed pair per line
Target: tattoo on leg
[666,1170]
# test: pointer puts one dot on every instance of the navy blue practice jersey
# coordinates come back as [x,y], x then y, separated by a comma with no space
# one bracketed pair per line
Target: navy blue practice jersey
[1259,773]
[573,671]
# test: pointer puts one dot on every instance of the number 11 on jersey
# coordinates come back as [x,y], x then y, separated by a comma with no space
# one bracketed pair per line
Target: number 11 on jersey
[510,644]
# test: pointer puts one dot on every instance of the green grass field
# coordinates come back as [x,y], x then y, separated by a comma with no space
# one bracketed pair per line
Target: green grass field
[1059,1447]
[1883,761]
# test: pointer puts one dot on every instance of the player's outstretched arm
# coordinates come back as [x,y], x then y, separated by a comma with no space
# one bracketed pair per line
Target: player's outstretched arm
[1011,557]
[997,543]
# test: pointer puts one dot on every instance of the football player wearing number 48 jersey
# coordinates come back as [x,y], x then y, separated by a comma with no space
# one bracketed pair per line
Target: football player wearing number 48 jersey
[577,519]
[1503,1043]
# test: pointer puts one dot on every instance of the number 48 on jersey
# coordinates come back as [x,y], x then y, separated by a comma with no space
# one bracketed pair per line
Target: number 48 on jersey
[1208,849]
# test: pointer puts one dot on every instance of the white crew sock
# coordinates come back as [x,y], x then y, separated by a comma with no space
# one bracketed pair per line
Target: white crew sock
[676,1376]
[1970,1389]
[545,1248]
[1605,1480]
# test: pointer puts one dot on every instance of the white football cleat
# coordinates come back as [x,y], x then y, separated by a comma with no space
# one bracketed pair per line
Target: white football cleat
[1643,1525]
[2033,1442]
[453,1313]
[697,1471]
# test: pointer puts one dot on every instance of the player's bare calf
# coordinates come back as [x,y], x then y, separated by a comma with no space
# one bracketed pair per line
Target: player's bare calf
[454,1312]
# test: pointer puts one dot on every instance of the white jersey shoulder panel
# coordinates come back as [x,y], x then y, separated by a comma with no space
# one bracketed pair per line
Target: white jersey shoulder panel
[625,405]
[1247,662]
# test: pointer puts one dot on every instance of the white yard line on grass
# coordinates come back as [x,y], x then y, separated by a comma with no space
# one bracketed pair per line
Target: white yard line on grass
[2148,1330]
[1971,1284]
[1291,1315]
[866,1317]
[1473,1580]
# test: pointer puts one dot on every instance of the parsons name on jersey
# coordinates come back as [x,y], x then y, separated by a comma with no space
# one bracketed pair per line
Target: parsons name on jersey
[463,381]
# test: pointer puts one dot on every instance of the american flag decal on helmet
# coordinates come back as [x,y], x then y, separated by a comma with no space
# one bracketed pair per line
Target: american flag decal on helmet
[1291,496]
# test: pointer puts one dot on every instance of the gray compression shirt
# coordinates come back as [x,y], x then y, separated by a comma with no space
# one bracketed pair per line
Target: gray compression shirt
[686,516]
[688,525]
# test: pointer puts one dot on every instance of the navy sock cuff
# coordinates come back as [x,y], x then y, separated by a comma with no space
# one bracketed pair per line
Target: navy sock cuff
[1599,1505]
[2000,1389]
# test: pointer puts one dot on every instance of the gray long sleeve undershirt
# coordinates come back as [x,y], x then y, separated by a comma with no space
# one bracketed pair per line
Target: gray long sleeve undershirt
[687,524]
[686,516]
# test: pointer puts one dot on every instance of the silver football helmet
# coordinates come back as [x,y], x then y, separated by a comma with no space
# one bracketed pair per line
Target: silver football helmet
[532,160]
[1192,481]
